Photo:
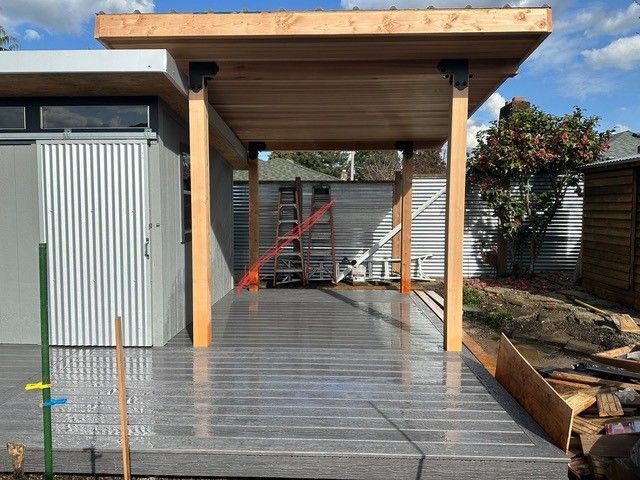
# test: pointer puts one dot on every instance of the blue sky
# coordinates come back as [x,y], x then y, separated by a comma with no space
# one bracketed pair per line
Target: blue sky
[592,59]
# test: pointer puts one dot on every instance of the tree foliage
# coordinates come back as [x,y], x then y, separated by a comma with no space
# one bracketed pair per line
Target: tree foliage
[524,164]
[376,165]
[370,165]
[382,164]
[328,162]
[7,41]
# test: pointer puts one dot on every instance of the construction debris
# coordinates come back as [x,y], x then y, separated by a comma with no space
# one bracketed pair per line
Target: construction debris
[602,433]
[605,439]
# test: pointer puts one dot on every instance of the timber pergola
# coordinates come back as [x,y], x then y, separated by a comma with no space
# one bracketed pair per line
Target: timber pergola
[340,80]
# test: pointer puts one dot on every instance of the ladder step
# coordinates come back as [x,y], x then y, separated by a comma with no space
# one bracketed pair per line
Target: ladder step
[289,270]
[288,238]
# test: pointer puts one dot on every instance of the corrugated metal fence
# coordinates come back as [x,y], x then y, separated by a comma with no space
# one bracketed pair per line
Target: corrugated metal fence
[94,209]
[362,215]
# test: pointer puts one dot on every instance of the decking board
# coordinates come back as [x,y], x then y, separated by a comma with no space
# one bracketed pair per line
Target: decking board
[341,385]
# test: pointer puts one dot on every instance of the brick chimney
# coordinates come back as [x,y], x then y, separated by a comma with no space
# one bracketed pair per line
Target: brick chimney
[514,104]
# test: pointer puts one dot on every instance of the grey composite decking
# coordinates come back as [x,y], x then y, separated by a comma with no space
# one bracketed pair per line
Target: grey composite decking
[312,384]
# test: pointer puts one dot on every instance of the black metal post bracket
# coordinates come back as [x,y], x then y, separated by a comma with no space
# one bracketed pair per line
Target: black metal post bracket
[200,73]
[457,71]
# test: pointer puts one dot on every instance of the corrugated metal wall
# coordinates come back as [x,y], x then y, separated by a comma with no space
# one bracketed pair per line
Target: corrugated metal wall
[94,199]
[362,215]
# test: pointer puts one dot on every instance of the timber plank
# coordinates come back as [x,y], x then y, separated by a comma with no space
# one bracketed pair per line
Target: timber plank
[583,379]
[617,358]
[580,401]
[584,426]
[526,385]
[609,405]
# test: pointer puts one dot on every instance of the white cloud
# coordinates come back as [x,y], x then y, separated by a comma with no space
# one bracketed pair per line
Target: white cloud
[31,35]
[618,127]
[473,128]
[493,105]
[64,16]
[623,53]
[617,22]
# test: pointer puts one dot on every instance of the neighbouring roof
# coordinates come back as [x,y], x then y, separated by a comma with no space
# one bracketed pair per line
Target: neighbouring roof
[282,169]
[628,161]
[623,144]
[340,80]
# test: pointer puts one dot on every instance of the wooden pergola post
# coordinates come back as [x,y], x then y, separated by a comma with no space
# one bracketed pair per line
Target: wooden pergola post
[396,218]
[405,230]
[254,214]
[202,262]
[458,73]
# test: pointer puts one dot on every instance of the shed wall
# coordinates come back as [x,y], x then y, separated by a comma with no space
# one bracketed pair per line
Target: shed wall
[221,182]
[610,258]
[171,252]
[19,238]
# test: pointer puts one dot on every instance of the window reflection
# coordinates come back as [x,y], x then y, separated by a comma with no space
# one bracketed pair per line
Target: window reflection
[95,116]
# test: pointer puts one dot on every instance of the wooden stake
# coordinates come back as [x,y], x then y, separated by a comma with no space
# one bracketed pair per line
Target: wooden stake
[254,221]
[405,231]
[454,235]
[396,218]
[200,217]
[122,401]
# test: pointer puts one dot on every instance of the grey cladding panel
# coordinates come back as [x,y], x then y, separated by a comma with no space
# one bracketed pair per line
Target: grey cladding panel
[19,237]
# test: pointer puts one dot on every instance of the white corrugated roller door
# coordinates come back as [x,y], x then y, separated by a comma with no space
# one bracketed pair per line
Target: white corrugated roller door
[94,199]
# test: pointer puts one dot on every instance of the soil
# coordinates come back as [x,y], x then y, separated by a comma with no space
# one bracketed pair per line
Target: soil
[541,316]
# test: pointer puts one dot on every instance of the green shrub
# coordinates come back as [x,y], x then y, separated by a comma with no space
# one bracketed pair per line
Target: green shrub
[497,319]
[471,296]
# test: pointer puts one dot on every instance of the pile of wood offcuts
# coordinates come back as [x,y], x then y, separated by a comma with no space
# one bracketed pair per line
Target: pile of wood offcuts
[604,395]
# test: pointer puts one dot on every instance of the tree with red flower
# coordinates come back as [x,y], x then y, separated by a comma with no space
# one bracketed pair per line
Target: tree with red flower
[524,164]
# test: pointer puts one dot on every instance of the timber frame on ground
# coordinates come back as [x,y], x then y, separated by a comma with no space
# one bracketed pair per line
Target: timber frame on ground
[340,80]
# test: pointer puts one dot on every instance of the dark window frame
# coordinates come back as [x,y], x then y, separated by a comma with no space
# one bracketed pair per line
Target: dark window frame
[24,119]
[32,106]
[93,129]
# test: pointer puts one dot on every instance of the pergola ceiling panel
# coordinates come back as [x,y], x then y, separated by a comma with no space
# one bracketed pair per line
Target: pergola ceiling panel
[338,80]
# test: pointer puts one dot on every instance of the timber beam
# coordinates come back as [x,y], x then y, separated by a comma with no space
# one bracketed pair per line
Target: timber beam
[254,212]
[407,149]
[202,259]
[457,72]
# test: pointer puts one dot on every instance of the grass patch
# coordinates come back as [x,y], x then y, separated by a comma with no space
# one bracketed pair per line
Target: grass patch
[471,296]
[497,319]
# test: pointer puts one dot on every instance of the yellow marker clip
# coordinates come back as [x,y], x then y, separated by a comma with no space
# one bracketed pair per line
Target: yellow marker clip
[37,386]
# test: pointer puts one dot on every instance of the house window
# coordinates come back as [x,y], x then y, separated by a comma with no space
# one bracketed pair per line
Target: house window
[185,178]
[94,117]
[12,118]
